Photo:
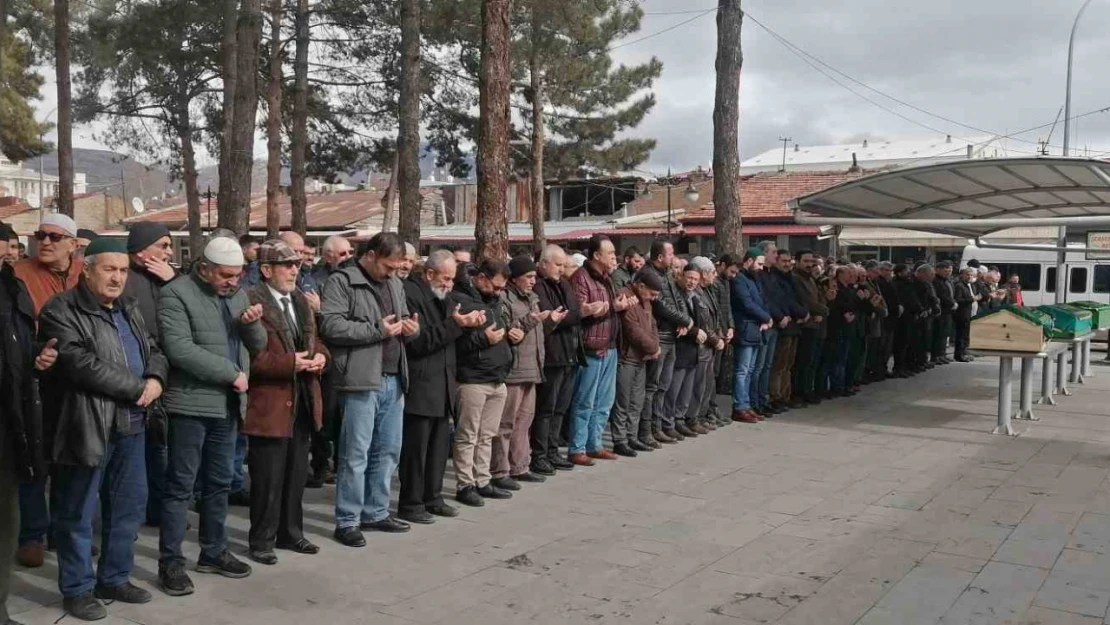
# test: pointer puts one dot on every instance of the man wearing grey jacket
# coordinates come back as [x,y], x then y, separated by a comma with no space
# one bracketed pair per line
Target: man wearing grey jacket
[209,329]
[365,321]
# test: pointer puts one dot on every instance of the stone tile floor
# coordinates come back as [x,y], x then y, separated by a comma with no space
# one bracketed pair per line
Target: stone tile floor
[894,507]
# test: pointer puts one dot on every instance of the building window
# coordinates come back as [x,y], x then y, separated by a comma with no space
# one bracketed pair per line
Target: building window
[1078,280]
[1102,279]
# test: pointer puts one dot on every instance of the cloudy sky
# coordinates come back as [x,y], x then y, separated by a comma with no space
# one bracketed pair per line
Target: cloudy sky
[994,65]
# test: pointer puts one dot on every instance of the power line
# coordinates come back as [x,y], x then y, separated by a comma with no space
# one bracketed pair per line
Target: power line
[664,31]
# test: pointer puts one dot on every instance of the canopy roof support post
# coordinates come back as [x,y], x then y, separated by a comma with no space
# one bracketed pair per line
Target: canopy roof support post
[1061,264]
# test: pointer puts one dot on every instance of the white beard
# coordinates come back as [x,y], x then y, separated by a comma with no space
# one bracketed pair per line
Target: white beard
[441,294]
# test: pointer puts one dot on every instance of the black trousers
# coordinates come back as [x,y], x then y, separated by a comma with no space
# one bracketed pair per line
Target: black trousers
[903,355]
[553,399]
[425,448]
[942,329]
[325,443]
[886,345]
[279,468]
[962,335]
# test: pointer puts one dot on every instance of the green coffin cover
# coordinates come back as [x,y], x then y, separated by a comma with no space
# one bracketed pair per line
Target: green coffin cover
[1068,319]
[1100,311]
[1037,317]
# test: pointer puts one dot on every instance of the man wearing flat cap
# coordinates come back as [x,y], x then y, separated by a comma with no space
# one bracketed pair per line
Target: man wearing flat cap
[108,375]
[209,329]
[51,271]
[150,249]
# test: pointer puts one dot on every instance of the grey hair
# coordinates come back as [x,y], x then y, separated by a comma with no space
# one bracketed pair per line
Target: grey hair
[924,268]
[438,259]
[332,242]
[767,245]
[702,264]
[551,251]
[91,260]
[410,250]
[886,264]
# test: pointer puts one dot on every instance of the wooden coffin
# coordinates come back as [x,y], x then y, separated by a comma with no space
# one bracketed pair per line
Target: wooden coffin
[1007,331]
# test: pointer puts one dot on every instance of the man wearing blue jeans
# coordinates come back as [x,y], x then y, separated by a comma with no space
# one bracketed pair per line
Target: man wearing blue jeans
[109,372]
[365,321]
[209,329]
[749,311]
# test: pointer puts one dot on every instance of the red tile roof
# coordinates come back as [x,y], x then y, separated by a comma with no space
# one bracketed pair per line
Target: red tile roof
[750,229]
[764,196]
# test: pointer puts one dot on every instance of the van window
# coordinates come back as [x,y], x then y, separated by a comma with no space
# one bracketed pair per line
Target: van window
[1078,280]
[1102,279]
[1028,273]
[1050,280]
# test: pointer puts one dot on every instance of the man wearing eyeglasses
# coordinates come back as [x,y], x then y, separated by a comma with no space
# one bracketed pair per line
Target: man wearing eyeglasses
[52,270]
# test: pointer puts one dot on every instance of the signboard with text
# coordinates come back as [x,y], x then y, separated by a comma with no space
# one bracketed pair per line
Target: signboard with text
[1098,246]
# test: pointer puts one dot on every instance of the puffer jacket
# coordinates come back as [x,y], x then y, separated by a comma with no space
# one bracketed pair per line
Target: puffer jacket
[528,355]
[91,383]
[478,361]
[351,325]
[21,427]
[194,340]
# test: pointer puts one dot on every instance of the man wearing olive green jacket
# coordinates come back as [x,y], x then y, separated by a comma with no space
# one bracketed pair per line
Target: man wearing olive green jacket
[209,329]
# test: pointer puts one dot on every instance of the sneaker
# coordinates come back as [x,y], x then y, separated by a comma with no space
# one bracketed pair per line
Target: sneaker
[489,491]
[224,564]
[468,496]
[174,580]
[419,517]
[560,463]
[350,537]
[505,483]
[30,555]
[124,593]
[624,449]
[542,466]
[85,607]
[528,476]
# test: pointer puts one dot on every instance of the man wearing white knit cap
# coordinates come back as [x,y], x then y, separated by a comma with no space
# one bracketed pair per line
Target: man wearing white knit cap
[209,329]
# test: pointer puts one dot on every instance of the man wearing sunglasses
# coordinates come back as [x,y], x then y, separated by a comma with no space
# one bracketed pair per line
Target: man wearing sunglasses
[52,270]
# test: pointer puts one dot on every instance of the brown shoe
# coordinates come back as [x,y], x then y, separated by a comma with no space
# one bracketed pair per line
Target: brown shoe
[682,429]
[699,428]
[678,438]
[661,438]
[603,454]
[31,555]
[709,426]
[581,460]
[744,416]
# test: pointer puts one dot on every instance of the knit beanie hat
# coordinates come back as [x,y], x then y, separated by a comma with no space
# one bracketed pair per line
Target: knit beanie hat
[143,235]
[521,265]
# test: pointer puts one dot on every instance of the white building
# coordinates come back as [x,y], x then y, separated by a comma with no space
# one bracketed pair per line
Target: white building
[877,154]
[25,184]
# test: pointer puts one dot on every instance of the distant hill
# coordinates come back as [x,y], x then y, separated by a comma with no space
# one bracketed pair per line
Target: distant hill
[102,173]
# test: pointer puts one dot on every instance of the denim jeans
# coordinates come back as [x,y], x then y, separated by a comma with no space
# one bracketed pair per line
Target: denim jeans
[156,458]
[201,452]
[34,516]
[239,473]
[120,482]
[743,362]
[838,373]
[594,394]
[369,451]
[760,388]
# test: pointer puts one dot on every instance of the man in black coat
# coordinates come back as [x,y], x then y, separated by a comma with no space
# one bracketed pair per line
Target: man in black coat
[905,341]
[965,300]
[889,293]
[21,454]
[923,283]
[942,326]
[563,353]
[432,399]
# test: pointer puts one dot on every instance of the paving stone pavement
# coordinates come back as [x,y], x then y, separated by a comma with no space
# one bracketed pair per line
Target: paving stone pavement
[894,507]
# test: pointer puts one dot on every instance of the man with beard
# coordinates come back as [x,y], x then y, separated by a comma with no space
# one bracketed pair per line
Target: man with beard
[432,400]
[781,387]
[633,262]
[673,322]
[810,338]
[752,319]
[639,345]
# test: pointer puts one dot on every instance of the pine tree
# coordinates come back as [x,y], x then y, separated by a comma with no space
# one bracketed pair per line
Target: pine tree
[726,122]
[491,232]
[20,133]
[408,136]
[273,124]
[62,56]
[299,133]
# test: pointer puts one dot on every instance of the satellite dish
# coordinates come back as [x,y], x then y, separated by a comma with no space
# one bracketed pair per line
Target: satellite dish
[33,200]
[137,205]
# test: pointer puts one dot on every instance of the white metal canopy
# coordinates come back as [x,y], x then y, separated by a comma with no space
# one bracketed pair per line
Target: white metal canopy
[969,198]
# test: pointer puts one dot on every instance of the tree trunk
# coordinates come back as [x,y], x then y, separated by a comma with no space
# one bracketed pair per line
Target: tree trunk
[539,239]
[408,140]
[299,140]
[248,35]
[390,194]
[273,125]
[189,164]
[491,232]
[228,63]
[726,123]
[65,107]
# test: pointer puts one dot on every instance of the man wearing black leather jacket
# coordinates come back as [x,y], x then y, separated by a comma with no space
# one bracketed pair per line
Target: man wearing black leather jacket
[673,321]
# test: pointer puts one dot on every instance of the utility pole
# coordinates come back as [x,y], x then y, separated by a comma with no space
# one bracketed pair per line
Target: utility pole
[785,141]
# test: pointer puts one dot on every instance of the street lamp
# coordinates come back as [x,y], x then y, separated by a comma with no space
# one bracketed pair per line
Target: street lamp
[691,193]
[1067,95]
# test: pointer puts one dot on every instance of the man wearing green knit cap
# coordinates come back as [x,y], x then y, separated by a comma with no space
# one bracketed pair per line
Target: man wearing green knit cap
[108,375]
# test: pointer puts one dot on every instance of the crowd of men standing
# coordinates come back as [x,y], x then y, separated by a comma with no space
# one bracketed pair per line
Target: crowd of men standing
[137,392]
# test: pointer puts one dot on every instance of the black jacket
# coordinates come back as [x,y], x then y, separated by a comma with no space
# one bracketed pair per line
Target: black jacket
[780,288]
[964,299]
[669,308]
[433,389]
[564,343]
[20,407]
[847,301]
[890,292]
[909,298]
[930,303]
[145,287]
[945,292]
[91,384]
[478,361]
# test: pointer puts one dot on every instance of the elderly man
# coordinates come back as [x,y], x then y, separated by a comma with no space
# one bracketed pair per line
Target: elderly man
[889,293]
[249,244]
[209,329]
[703,406]
[21,454]
[484,361]
[685,388]
[284,405]
[926,291]
[630,429]
[432,400]
[336,251]
[944,286]
[964,297]
[411,258]
[562,355]
[810,338]
[595,389]
[365,315]
[150,249]
[108,375]
[51,271]
[749,311]
[673,322]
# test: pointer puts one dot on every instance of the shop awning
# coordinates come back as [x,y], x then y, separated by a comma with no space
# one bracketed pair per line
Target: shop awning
[897,237]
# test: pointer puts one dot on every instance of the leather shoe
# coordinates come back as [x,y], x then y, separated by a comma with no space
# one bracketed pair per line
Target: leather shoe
[603,454]
[662,438]
[542,466]
[443,510]
[263,556]
[505,483]
[301,546]
[674,436]
[530,477]
[30,555]
[419,517]
[581,460]
[468,496]
[389,524]
[624,449]
[744,416]
[709,425]
[638,445]
[489,491]
[685,431]
[560,463]
[350,537]
[698,429]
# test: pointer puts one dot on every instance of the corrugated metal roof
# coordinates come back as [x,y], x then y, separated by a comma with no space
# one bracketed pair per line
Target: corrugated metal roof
[949,148]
